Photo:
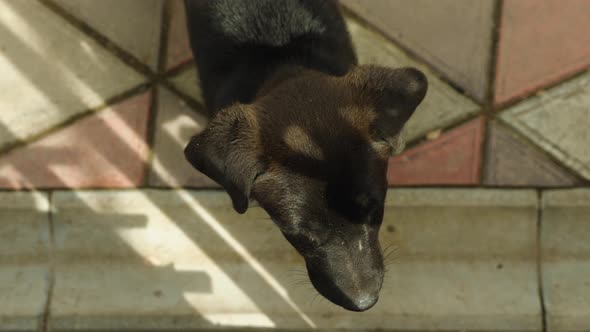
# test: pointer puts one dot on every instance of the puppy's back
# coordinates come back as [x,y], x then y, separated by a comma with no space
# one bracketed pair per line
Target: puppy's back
[239,43]
[266,22]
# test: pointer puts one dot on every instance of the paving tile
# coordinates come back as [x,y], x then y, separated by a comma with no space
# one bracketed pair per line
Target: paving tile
[454,36]
[164,259]
[566,259]
[178,48]
[103,150]
[511,161]
[187,82]
[176,123]
[50,71]
[442,106]
[540,43]
[135,25]
[24,256]
[557,121]
[452,158]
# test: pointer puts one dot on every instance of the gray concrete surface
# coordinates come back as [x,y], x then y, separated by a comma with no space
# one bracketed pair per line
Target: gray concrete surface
[566,259]
[154,259]
[557,121]
[24,260]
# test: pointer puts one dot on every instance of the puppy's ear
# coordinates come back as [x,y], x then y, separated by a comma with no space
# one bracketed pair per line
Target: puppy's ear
[226,152]
[393,93]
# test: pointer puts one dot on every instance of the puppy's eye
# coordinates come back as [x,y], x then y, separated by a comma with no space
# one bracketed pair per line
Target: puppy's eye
[379,138]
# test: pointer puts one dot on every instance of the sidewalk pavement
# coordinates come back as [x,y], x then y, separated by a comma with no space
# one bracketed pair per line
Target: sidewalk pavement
[104,226]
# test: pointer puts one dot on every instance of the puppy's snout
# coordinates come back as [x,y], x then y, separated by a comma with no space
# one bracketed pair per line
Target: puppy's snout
[349,294]
[347,276]
[364,302]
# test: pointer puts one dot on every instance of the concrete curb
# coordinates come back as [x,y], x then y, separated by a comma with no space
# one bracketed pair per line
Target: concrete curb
[24,260]
[566,259]
[174,259]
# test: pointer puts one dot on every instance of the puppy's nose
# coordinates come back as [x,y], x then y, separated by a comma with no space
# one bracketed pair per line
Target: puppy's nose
[364,302]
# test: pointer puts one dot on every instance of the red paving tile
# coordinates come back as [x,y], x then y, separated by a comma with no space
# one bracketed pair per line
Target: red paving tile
[178,48]
[104,150]
[511,161]
[452,159]
[540,42]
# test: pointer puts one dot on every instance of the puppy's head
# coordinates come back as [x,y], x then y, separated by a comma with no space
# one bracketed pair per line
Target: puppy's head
[313,152]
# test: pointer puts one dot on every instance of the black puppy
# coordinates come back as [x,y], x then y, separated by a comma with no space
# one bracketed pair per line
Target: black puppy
[298,126]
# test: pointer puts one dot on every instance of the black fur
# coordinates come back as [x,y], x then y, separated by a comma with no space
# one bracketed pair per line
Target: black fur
[238,44]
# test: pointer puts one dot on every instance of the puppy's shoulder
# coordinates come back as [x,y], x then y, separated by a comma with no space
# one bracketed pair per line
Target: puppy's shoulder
[271,22]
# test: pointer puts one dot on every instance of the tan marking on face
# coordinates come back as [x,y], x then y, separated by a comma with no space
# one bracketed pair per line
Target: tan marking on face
[249,113]
[382,149]
[251,132]
[393,146]
[359,118]
[398,142]
[299,141]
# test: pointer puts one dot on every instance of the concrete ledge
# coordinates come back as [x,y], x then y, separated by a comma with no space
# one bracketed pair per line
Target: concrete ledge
[466,260]
[174,259]
[462,224]
[162,260]
[24,256]
[461,296]
[566,259]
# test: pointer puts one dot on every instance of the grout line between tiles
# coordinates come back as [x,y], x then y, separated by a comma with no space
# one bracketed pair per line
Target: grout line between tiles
[153,108]
[541,90]
[488,106]
[74,118]
[44,326]
[540,259]
[483,151]
[151,133]
[176,70]
[493,61]
[194,105]
[441,187]
[164,31]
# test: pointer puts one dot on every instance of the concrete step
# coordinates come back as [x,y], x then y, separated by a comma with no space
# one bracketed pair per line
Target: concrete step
[24,260]
[173,259]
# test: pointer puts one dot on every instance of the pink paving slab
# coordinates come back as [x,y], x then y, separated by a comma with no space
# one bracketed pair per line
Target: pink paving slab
[452,159]
[541,42]
[178,48]
[103,150]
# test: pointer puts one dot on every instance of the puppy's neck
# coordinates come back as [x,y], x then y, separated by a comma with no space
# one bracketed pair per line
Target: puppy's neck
[243,48]
[279,76]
